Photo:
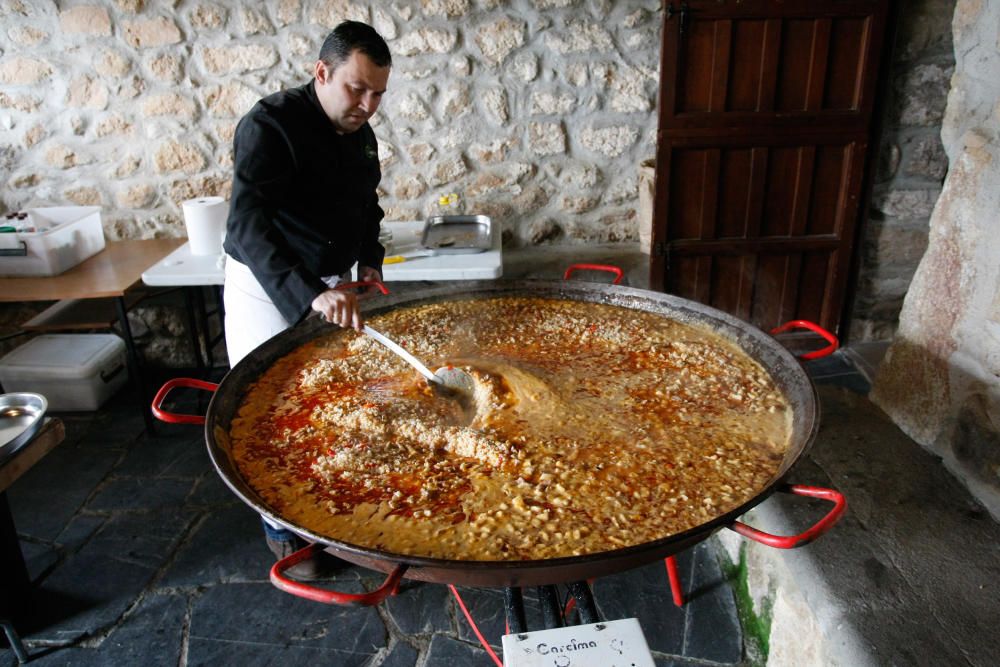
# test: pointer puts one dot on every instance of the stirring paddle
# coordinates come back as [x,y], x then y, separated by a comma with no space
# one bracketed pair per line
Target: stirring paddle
[446,376]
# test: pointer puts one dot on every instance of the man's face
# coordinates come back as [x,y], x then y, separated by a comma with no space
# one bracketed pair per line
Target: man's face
[351,93]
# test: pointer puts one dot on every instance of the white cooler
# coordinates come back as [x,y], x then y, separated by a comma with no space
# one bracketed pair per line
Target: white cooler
[72,371]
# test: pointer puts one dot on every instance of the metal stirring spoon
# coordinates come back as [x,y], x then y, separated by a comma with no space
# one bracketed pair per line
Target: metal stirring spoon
[446,376]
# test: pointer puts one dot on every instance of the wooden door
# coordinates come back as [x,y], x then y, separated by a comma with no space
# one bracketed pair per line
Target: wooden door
[765,124]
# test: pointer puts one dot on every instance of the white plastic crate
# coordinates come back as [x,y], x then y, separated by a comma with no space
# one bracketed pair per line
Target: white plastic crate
[49,240]
[72,371]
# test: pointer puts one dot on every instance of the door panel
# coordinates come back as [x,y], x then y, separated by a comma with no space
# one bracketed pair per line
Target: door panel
[780,277]
[788,191]
[723,191]
[692,182]
[747,66]
[796,61]
[732,283]
[765,288]
[695,83]
[764,69]
[734,193]
[831,169]
[764,127]
[782,203]
[844,73]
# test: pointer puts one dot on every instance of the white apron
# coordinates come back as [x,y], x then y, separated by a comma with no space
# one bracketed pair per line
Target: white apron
[251,316]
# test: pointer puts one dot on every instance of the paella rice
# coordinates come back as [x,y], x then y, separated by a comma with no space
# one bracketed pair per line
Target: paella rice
[592,427]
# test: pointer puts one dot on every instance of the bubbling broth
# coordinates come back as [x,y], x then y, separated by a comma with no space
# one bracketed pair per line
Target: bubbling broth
[592,427]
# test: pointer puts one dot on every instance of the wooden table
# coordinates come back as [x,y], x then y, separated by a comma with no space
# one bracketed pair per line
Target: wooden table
[15,584]
[108,274]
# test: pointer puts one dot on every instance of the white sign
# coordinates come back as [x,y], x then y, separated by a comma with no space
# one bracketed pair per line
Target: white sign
[609,644]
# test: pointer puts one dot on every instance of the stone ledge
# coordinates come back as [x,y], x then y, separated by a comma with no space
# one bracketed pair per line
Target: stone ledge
[550,262]
[908,574]
[789,587]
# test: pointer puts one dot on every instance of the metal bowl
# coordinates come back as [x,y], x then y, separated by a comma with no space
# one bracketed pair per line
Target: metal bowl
[21,415]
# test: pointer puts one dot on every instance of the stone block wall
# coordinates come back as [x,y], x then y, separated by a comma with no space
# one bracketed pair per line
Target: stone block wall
[940,380]
[536,112]
[911,166]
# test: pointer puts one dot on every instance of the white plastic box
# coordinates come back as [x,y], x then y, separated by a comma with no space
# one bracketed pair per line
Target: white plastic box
[72,371]
[62,237]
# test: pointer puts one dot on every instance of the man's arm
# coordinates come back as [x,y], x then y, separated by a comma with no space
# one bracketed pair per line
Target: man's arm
[372,253]
[262,174]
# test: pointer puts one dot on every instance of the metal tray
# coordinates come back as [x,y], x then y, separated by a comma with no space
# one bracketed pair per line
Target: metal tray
[21,415]
[457,234]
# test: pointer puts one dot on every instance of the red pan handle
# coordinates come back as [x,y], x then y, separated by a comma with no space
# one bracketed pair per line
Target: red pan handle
[815,328]
[316,594]
[793,541]
[364,283]
[170,417]
[595,267]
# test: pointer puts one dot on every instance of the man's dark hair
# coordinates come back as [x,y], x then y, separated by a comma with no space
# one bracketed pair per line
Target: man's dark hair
[352,36]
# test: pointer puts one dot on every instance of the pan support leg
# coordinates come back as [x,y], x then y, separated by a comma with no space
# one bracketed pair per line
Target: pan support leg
[675,581]
[15,641]
[513,604]
[551,613]
[585,605]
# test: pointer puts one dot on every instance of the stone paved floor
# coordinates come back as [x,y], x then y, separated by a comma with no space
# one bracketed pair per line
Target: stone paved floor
[141,556]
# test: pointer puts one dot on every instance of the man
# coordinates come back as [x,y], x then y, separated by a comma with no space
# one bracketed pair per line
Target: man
[304,204]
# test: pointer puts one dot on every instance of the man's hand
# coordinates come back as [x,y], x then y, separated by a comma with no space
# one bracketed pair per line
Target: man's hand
[367,274]
[339,307]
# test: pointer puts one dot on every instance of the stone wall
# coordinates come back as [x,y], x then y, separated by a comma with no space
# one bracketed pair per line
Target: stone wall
[911,166]
[536,112]
[940,381]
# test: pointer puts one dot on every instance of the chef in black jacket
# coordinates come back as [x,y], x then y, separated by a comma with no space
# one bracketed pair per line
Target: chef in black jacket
[304,206]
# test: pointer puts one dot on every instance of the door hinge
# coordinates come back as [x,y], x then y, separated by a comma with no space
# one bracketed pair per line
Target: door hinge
[683,12]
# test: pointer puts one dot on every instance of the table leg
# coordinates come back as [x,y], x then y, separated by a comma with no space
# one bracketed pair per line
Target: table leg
[134,367]
[221,305]
[192,326]
[206,330]
[220,308]
[13,572]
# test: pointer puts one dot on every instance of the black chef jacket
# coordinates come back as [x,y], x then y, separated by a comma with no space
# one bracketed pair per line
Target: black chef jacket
[304,203]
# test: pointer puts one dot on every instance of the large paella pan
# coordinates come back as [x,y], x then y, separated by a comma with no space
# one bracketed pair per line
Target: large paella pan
[232,420]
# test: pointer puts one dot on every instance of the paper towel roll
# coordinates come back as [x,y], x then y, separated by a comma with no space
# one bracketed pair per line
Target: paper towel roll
[205,219]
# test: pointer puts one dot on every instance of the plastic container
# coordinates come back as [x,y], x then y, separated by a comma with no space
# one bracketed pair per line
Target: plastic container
[72,371]
[48,241]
